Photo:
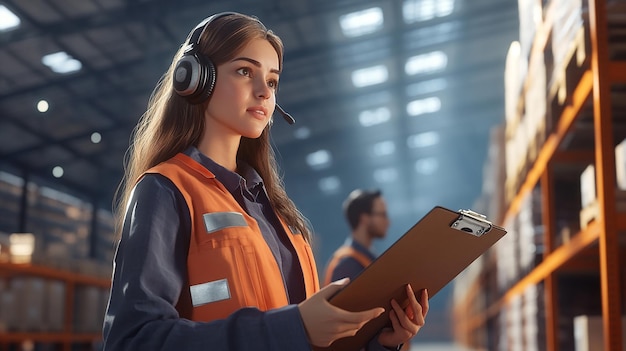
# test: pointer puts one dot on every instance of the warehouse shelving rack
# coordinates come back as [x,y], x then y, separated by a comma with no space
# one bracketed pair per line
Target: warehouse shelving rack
[598,246]
[68,338]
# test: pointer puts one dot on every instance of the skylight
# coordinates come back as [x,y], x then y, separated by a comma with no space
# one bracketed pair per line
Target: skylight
[424,10]
[320,159]
[426,63]
[302,133]
[422,140]
[423,106]
[329,185]
[426,165]
[385,175]
[373,117]
[8,20]
[383,148]
[362,22]
[426,86]
[370,76]
[61,62]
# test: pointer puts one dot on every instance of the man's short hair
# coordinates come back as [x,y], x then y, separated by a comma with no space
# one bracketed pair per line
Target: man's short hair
[357,203]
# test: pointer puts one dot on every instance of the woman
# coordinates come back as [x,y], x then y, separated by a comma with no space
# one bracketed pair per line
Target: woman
[213,254]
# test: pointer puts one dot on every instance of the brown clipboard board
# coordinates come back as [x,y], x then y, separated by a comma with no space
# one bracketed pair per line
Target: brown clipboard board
[429,255]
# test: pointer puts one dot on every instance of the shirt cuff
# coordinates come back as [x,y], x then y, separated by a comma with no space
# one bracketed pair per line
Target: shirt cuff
[287,321]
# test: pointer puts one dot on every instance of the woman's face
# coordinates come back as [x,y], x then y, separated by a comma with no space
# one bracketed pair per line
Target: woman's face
[244,97]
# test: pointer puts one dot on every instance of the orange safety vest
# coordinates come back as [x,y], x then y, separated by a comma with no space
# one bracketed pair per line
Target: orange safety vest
[229,265]
[341,253]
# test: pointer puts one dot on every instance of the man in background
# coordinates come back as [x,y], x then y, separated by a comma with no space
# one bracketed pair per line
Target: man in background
[366,213]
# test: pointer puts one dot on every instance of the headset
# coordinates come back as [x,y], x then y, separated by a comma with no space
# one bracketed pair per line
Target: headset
[195,74]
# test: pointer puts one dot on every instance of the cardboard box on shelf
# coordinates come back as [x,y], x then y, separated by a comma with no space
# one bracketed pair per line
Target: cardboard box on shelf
[588,333]
[588,186]
[620,164]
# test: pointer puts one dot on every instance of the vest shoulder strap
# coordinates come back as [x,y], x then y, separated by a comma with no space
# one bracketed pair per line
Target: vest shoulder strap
[341,253]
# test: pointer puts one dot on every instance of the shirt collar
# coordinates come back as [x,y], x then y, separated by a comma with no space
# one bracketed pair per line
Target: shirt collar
[230,179]
[360,248]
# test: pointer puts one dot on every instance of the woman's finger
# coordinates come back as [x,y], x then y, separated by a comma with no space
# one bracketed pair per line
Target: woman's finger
[403,319]
[415,309]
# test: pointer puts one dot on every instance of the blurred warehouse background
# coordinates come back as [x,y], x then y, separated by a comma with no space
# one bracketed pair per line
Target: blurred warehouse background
[400,95]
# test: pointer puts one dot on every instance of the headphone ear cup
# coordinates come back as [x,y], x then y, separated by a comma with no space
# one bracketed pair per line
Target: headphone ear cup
[186,75]
[194,78]
[206,84]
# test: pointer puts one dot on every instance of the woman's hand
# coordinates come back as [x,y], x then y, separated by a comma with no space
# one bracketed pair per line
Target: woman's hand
[405,323]
[325,323]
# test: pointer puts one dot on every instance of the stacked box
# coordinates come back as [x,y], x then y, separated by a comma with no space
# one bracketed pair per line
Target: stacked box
[530,233]
[534,319]
[620,164]
[569,48]
[516,146]
[577,295]
[493,176]
[616,18]
[514,74]
[530,18]
[568,21]
[514,330]
[588,186]
[507,256]
[54,313]
[535,106]
[501,341]
[88,309]
[6,303]
[524,322]
[29,302]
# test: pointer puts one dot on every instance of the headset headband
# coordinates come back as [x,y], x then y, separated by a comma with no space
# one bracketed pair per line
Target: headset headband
[194,37]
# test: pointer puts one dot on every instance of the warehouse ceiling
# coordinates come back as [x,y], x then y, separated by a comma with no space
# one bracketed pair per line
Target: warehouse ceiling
[421,135]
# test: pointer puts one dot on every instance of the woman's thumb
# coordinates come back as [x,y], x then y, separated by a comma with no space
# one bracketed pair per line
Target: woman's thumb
[333,287]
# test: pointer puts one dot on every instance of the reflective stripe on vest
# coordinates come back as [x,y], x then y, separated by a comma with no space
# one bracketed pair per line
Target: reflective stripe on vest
[341,253]
[229,264]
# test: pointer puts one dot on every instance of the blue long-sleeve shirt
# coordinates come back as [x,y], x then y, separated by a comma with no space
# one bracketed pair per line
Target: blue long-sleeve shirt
[349,266]
[150,270]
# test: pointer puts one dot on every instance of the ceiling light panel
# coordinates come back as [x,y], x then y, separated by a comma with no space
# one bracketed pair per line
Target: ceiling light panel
[385,175]
[424,10]
[423,106]
[329,185]
[421,140]
[435,61]
[426,87]
[61,62]
[320,159]
[8,20]
[370,76]
[373,117]
[362,22]
[383,148]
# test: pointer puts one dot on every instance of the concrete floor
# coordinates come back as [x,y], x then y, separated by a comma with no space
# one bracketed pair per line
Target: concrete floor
[438,347]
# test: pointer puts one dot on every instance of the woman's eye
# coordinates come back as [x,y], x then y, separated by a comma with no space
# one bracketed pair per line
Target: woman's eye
[244,71]
[272,84]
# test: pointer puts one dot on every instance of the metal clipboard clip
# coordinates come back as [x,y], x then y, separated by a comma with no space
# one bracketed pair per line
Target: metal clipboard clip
[472,222]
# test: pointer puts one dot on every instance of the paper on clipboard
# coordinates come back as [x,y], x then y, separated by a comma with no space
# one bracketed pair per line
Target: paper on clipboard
[428,256]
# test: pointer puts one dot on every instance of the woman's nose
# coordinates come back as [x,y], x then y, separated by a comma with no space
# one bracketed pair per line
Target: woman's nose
[262,90]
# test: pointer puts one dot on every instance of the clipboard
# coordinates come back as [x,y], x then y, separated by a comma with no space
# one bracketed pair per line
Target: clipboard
[429,255]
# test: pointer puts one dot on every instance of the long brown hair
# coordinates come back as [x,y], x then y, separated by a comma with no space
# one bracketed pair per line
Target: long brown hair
[171,124]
